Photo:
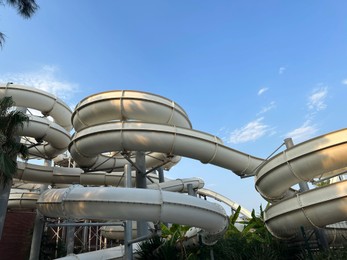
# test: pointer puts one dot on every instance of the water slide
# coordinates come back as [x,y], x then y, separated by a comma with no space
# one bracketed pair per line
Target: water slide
[110,127]
[95,117]
[321,157]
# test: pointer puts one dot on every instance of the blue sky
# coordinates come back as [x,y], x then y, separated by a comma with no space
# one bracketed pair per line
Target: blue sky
[251,72]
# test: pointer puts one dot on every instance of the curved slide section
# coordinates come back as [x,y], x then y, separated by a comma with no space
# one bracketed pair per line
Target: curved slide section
[209,193]
[40,100]
[121,121]
[89,143]
[127,105]
[115,124]
[105,203]
[314,208]
[22,199]
[324,156]
[55,139]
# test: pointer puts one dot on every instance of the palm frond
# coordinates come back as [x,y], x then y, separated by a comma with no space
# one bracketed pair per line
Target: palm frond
[10,122]
[25,8]
[2,39]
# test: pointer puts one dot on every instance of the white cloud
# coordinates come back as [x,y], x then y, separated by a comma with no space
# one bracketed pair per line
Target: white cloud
[344,82]
[272,105]
[302,133]
[250,132]
[281,70]
[45,79]
[317,99]
[262,90]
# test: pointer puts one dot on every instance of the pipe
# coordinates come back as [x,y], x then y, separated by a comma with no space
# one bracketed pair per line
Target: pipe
[106,203]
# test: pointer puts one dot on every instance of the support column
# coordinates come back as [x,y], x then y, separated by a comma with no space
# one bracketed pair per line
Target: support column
[70,238]
[35,248]
[161,174]
[85,237]
[128,224]
[141,182]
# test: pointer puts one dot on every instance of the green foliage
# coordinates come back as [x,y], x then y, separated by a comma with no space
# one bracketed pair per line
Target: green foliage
[10,121]
[170,245]
[253,242]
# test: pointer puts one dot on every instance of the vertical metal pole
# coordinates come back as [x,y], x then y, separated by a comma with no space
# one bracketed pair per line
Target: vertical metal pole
[141,182]
[70,238]
[162,179]
[128,224]
[161,174]
[38,226]
[211,254]
[85,237]
[89,238]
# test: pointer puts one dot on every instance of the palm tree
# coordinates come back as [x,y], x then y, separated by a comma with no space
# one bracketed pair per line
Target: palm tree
[10,147]
[25,8]
[10,121]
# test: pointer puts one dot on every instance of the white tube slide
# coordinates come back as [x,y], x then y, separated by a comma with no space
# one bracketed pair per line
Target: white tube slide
[314,208]
[127,105]
[22,199]
[209,193]
[89,143]
[56,137]
[116,123]
[107,203]
[322,156]
[113,253]
[40,100]
[178,185]
[138,121]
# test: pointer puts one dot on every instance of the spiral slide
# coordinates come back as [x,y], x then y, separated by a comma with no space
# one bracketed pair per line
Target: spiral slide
[321,157]
[111,127]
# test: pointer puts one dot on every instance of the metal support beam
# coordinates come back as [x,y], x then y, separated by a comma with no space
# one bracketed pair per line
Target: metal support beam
[73,224]
[128,224]
[70,239]
[35,248]
[141,183]
[161,174]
